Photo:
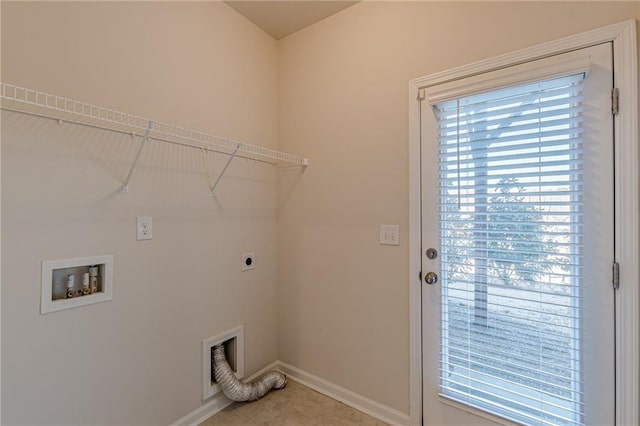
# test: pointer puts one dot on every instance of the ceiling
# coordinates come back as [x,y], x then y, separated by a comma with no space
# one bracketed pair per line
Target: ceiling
[281,18]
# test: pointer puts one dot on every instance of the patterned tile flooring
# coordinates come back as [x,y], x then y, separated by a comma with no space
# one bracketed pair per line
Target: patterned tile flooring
[295,405]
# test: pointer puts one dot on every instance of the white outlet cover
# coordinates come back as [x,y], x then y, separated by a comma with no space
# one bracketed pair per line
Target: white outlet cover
[390,235]
[248,261]
[144,228]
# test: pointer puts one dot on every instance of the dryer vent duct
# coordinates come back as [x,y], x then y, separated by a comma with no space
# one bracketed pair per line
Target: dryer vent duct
[234,389]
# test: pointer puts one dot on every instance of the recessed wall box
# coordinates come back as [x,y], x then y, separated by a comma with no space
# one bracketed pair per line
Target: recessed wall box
[233,341]
[62,282]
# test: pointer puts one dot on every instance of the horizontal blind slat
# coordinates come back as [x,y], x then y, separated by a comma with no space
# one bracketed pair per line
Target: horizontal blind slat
[573,265]
[520,312]
[471,133]
[486,383]
[542,157]
[465,277]
[542,109]
[540,172]
[560,306]
[567,164]
[505,351]
[569,222]
[526,189]
[485,363]
[561,292]
[523,138]
[510,413]
[468,148]
[512,236]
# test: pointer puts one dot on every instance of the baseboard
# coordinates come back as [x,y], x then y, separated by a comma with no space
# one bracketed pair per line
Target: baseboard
[350,398]
[217,403]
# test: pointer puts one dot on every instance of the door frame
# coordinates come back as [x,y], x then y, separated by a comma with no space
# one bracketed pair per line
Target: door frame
[627,197]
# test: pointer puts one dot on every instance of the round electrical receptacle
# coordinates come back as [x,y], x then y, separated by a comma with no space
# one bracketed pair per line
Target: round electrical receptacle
[248,261]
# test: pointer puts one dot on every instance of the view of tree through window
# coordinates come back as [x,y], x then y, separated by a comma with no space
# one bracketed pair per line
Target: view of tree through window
[510,213]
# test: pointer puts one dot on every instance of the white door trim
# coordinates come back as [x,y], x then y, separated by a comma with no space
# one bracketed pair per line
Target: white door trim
[623,36]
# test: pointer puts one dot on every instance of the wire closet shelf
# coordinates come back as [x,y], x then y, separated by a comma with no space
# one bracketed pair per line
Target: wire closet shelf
[41,104]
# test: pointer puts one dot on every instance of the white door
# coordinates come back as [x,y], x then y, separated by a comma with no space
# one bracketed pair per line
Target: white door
[517,201]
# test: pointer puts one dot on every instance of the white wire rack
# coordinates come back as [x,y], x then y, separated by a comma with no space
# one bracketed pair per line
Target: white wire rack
[40,104]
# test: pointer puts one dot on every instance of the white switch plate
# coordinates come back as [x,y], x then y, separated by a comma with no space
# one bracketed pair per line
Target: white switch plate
[390,235]
[144,228]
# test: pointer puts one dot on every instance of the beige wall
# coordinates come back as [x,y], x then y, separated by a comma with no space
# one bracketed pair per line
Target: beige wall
[137,358]
[343,103]
[335,92]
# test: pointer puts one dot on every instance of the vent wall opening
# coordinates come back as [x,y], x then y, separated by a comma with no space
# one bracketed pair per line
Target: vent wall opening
[233,341]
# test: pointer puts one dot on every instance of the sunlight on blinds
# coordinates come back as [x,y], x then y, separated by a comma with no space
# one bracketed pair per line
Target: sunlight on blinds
[510,185]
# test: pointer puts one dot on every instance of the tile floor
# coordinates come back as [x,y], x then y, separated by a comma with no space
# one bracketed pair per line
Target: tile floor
[292,406]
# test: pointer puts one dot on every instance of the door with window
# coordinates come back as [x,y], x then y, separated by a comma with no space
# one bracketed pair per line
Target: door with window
[517,209]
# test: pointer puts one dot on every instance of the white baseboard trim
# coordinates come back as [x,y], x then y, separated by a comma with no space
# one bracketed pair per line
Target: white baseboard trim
[217,403]
[350,398]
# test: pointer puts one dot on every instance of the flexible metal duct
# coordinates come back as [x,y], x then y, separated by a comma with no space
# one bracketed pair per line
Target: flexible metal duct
[234,389]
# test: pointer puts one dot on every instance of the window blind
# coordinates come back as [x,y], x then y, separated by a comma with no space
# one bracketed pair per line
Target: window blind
[510,203]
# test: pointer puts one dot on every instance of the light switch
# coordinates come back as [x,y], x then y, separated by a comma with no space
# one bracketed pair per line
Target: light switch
[390,235]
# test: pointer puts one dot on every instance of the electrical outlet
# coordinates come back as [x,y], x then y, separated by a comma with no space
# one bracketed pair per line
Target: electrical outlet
[390,235]
[248,261]
[144,228]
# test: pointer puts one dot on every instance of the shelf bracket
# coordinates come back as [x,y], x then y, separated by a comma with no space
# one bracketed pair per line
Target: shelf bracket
[224,169]
[145,139]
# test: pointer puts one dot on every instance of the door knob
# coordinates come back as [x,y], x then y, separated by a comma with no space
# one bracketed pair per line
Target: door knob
[431,278]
